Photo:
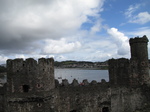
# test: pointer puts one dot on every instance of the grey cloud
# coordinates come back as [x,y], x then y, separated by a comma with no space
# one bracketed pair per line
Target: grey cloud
[24,23]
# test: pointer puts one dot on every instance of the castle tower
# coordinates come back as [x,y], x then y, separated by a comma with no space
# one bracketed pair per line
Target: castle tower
[135,71]
[139,60]
[139,48]
[29,84]
[119,72]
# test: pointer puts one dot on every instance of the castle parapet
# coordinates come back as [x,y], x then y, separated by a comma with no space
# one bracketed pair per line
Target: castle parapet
[65,82]
[138,47]
[144,39]
[75,82]
[30,75]
[84,83]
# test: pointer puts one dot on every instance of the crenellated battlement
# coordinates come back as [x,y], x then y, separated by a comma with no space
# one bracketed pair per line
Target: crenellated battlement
[30,75]
[20,63]
[30,66]
[143,39]
[75,83]
[31,86]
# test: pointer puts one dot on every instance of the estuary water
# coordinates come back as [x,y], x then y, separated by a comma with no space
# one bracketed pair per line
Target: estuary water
[81,74]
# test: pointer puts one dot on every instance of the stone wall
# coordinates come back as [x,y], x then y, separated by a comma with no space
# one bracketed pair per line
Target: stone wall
[3,98]
[46,103]
[126,99]
[30,76]
[85,98]
[119,72]
[31,86]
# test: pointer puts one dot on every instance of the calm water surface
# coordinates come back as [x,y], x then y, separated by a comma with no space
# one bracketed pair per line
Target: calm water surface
[81,74]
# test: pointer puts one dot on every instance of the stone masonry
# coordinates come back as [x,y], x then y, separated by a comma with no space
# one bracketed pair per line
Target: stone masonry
[31,86]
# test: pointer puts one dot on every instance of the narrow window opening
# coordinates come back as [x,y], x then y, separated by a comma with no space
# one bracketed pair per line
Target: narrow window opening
[39,85]
[39,105]
[26,88]
[143,63]
[105,109]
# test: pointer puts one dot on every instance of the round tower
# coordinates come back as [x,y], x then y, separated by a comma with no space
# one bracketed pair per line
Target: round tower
[139,48]
[139,59]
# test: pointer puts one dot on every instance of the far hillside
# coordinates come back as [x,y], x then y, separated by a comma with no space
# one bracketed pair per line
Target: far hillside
[81,64]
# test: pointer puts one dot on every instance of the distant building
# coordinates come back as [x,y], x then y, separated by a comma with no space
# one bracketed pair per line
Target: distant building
[31,86]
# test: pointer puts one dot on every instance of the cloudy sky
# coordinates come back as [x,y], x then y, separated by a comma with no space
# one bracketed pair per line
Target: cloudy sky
[82,30]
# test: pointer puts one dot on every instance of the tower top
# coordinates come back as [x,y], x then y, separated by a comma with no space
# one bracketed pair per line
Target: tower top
[143,39]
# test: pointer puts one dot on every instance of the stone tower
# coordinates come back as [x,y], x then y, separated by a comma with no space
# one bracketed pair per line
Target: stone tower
[133,72]
[29,84]
[139,61]
[119,72]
